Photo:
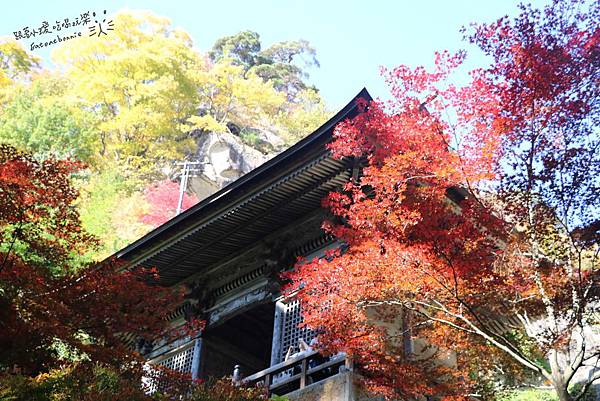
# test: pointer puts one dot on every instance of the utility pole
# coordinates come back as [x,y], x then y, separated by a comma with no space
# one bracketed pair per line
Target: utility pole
[187,170]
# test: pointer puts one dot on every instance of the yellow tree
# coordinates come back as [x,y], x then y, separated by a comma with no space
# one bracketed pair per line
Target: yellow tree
[303,116]
[227,94]
[15,65]
[139,81]
[284,66]
[230,93]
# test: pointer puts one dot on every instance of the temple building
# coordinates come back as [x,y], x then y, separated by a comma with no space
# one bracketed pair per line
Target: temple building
[228,252]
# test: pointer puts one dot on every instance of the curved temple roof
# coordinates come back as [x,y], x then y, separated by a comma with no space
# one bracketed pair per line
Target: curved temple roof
[280,191]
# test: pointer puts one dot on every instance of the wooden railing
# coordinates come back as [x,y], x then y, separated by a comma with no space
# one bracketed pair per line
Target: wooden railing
[297,373]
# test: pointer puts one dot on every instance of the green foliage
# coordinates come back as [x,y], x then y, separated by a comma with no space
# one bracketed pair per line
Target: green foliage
[41,121]
[528,347]
[17,388]
[250,138]
[533,394]
[242,47]
[529,395]
[70,384]
[253,139]
[111,210]
[275,64]
[591,394]
[67,353]
[136,97]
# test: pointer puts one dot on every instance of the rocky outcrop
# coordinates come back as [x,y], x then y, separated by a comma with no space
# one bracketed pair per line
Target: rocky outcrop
[222,158]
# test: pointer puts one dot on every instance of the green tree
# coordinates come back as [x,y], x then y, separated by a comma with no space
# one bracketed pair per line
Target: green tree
[275,64]
[111,210]
[242,47]
[41,120]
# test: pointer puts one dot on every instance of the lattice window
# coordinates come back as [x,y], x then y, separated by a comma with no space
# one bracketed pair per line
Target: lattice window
[180,361]
[290,318]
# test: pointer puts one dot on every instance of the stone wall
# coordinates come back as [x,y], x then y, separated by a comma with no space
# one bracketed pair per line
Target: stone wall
[341,387]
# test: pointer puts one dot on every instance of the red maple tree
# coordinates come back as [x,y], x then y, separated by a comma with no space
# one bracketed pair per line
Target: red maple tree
[163,197]
[53,305]
[471,237]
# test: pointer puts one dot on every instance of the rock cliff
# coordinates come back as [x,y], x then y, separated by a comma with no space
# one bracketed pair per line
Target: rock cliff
[221,159]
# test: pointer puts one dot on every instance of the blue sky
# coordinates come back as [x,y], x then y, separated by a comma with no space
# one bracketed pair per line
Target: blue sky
[352,38]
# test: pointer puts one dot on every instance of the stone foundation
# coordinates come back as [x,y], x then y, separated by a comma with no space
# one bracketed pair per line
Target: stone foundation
[341,387]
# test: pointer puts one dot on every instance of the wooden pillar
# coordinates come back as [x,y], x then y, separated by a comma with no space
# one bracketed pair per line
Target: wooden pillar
[348,364]
[268,384]
[303,369]
[196,358]
[277,331]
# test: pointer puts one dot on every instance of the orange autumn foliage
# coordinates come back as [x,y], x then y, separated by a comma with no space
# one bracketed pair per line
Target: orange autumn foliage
[474,223]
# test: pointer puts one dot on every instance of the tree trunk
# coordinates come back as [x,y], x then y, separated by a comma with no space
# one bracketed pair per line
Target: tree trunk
[563,395]
[561,390]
